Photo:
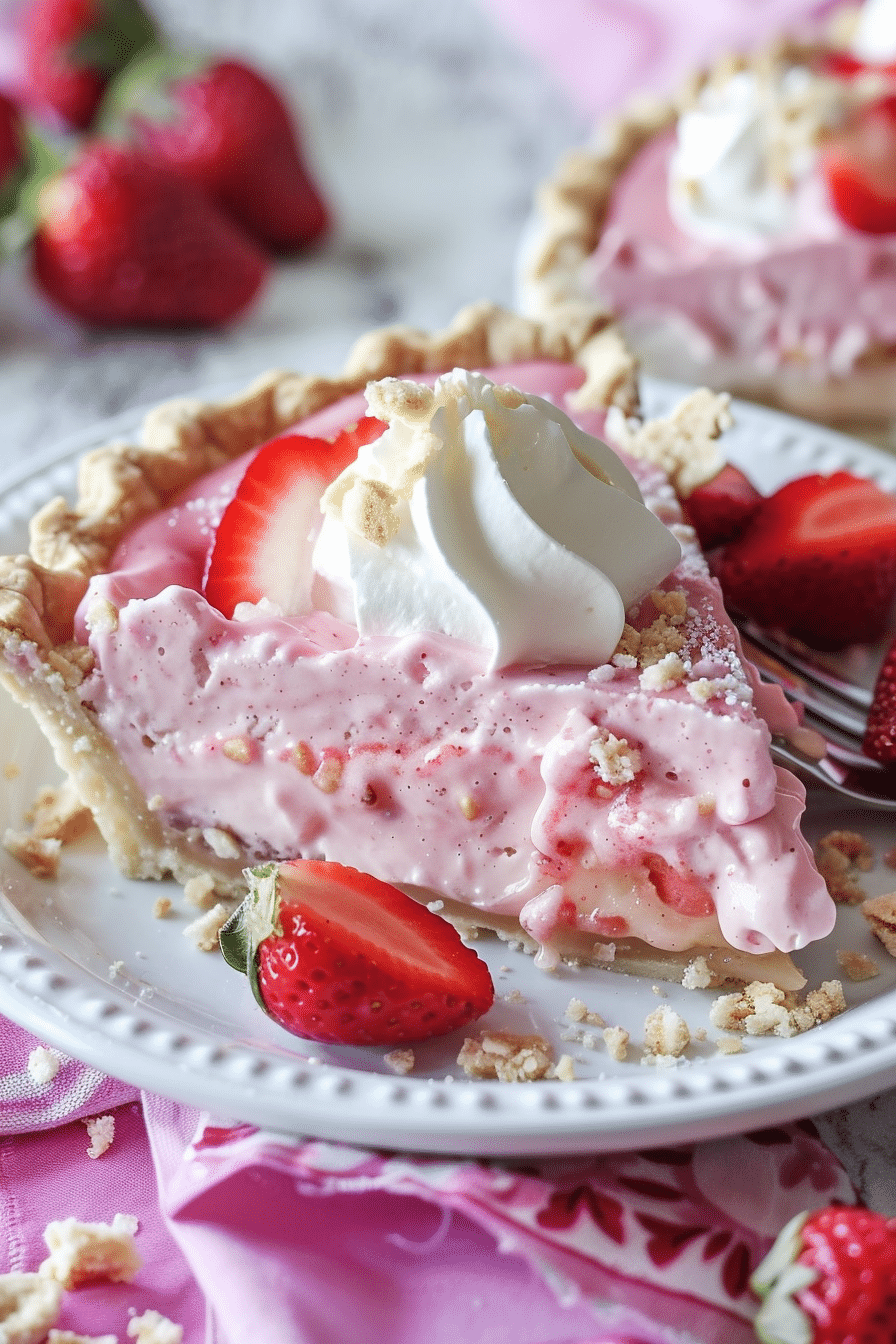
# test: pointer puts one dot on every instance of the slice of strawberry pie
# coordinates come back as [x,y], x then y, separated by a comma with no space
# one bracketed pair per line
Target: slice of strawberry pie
[445,636]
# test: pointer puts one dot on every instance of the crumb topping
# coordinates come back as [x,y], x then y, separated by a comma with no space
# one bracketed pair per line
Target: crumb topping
[203,932]
[880,912]
[90,1252]
[507,1056]
[665,1032]
[43,1066]
[615,761]
[684,443]
[762,1009]
[101,1132]
[856,966]
[840,857]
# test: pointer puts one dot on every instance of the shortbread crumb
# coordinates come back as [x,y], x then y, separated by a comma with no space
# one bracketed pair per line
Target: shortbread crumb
[101,1132]
[58,814]
[43,1066]
[564,1069]
[39,854]
[161,907]
[762,1009]
[400,1061]
[199,891]
[509,1057]
[840,856]
[89,1252]
[697,974]
[683,443]
[578,1011]
[616,1040]
[203,932]
[666,1032]
[29,1306]
[730,1045]
[856,966]
[880,912]
[615,761]
[154,1328]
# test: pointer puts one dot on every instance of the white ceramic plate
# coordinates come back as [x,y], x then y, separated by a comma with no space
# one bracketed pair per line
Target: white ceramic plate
[179,1022]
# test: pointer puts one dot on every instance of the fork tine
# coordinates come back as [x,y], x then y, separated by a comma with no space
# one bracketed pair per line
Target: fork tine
[828,704]
[862,787]
[798,660]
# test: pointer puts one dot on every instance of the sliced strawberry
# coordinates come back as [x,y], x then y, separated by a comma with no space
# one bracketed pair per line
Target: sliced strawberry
[880,734]
[818,560]
[337,955]
[859,165]
[720,509]
[263,543]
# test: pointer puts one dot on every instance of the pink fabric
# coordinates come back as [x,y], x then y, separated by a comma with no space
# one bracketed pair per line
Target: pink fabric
[604,51]
[324,1243]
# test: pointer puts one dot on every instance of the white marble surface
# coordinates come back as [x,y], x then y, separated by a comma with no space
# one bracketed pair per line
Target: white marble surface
[428,131]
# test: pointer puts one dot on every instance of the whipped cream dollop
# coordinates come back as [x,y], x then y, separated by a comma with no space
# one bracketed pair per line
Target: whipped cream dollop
[745,153]
[485,514]
[874,39]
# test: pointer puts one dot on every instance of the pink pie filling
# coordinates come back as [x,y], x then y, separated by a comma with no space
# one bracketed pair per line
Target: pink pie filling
[403,757]
[820,297]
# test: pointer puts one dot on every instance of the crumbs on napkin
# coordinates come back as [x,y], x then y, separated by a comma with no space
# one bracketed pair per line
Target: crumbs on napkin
[89,1252]
[29,1305]
[153,1328]
[101,1132]
[43,1066]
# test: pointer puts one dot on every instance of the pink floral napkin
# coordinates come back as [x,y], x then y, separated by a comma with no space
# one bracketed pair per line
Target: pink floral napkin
[242,1231]
[602,51]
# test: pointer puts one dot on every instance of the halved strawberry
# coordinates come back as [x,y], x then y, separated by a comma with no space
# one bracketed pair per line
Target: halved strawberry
[262,544]
[859,165]
[336,955]
[720,509]
[880,734]
[818,559]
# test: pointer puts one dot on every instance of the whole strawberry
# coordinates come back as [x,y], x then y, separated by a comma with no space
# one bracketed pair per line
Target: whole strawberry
[830,1278]
[72,48]
[336,955]
[122,240]
[880,733]
[225,127]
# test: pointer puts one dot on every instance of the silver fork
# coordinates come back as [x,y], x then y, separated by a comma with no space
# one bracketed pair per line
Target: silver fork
[835,708]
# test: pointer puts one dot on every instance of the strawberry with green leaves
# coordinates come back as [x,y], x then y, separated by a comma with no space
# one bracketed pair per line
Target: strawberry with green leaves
[72,48]
[222,125]
[122,240]
[830,1278]
[335,955]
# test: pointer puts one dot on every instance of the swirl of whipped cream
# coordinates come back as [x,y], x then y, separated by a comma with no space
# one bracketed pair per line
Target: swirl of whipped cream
[745,153]
[874,38]
[488,516]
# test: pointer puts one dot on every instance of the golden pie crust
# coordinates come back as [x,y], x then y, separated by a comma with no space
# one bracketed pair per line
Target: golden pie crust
[572,205]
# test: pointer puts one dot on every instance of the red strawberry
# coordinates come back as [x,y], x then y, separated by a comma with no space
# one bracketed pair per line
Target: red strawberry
[12,152]
[71,48]
[262,547]
[336,955]
[720,509]
[122,240]
[860,167]
[880,734]
[830,1278]
[818,559]
[225,127]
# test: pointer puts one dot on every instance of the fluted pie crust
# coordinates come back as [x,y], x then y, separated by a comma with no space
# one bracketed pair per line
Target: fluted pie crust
[119,484]
[571,207]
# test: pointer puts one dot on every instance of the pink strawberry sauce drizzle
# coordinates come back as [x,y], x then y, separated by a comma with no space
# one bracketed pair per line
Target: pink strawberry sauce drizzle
[429,772]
